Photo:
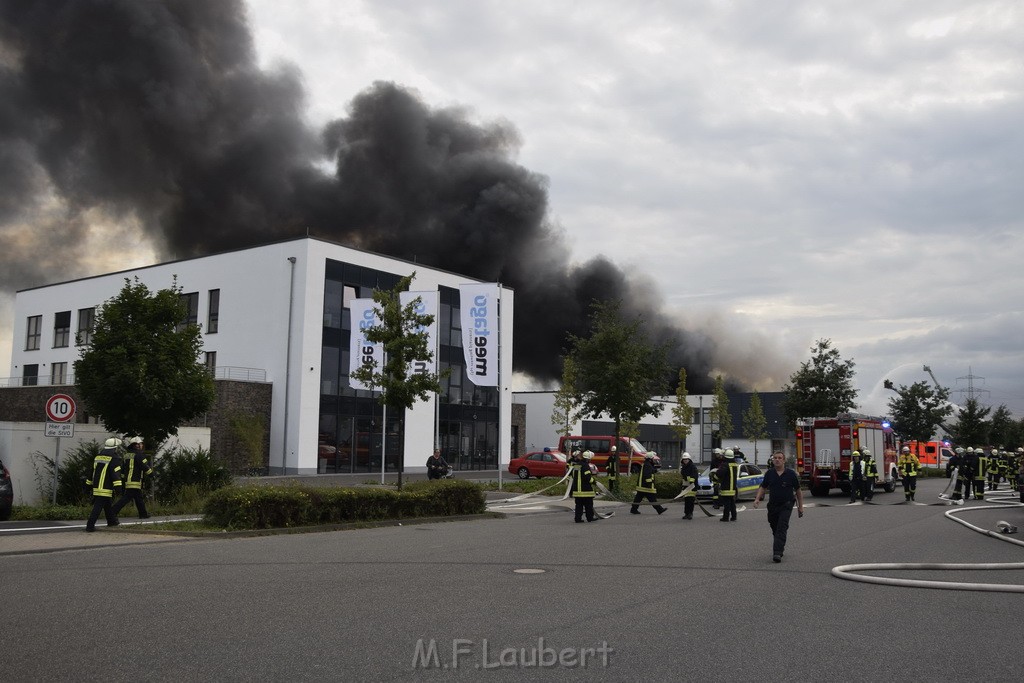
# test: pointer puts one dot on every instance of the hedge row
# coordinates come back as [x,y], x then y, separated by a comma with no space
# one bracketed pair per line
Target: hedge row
[269,507]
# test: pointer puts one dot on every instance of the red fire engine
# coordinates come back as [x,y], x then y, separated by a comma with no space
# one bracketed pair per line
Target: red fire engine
[824,446]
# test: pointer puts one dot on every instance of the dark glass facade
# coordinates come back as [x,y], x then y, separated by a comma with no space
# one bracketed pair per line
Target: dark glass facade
[354,432]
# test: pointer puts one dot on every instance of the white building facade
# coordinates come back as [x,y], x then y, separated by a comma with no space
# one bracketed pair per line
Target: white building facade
[279,313]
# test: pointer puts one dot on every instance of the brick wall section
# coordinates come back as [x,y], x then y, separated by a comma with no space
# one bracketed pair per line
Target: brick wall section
[237,398]
[519,420]
[28,404]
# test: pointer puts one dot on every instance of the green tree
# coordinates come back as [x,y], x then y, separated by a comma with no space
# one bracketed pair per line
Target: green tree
[822,387]
[971,428]
[618,371]
[918,410]
[141,374]
[629,429]
[400,330]
[682,411]
[720,414]
[755,424]
[568,402]
[1004,428]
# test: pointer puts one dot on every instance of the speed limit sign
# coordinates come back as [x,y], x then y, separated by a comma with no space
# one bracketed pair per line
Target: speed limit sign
[60,408]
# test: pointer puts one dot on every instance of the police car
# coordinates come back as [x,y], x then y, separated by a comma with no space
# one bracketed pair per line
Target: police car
[748,479]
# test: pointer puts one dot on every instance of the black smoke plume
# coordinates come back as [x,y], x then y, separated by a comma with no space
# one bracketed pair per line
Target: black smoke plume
[157,113]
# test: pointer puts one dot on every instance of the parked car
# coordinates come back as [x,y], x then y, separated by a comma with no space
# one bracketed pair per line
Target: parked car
[545,463]
[6,493]
[749,478]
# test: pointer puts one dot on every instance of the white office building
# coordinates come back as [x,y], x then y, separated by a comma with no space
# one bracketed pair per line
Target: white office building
[280,314]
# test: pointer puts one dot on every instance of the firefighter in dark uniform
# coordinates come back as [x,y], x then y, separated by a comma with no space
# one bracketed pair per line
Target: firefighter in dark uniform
[856,475]
[968,464]
[104,479]
[728,473]
[954,461]
[612,468]
[1016,470]
[135,467]
[957,463]
[908,466]
[583,488]
[870,474]
[645,488]
[688,473]
[980,471]
[1020,473]
[998,468]
[716,462]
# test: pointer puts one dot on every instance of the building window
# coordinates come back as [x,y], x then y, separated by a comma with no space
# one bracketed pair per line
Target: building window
[35,332]
[191,301]
[61,329]
[58,374]
[213,316]
[211,362]
[30,375]
[86,324]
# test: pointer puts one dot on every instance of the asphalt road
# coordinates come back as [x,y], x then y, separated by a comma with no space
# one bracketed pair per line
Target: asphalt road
[640,598]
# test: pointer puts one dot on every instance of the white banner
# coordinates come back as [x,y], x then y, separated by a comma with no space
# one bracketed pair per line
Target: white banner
[363,352]
[427,306]
[480,338]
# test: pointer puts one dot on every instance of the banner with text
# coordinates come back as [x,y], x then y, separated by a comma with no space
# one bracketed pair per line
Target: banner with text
[363,352]
[480,339]
[426,306]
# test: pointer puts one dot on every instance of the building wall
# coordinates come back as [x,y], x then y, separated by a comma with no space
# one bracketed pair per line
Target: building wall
[21,443]
[270,323]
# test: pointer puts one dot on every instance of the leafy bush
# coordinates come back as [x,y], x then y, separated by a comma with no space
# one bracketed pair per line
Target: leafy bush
[179,468]
[263,507]
[75,469]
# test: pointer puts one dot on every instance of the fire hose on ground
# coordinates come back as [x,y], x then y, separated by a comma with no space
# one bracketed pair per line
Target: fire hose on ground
[848,571]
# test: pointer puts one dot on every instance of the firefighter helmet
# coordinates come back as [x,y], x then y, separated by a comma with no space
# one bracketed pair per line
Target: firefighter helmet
[866,452]
[728,453]
[587,455]
[959,450]
[112,443]
[134,440]
[855,454]
[717,451]
[650,455]
[686,456]
[970,449]
[906,449]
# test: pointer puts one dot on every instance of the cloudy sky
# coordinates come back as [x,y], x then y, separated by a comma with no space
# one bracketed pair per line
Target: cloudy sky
[780,172]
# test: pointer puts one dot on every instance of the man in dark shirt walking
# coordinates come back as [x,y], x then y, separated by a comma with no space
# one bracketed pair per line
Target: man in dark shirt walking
[784,488]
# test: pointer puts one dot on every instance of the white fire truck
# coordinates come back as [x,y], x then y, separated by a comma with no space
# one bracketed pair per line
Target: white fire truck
[824,446]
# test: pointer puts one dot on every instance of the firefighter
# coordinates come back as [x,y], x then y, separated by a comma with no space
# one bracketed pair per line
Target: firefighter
[645,488]
[134,468]
[1017,469]
[856,475]
[954,461]
[688,473]
[612,468]
[969,463]
[1020,473]
[716,462]
[908,466]
[870,474]
[728,472]
[104,479]
[980,470]
[957,464]
[584,488]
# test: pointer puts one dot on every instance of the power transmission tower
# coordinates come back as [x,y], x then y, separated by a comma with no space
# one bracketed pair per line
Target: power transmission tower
[970,390]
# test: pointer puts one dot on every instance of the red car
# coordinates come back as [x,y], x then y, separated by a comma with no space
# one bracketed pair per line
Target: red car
[546,463]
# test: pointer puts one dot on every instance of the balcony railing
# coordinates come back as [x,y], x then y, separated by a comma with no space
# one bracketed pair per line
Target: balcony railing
[235,373]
